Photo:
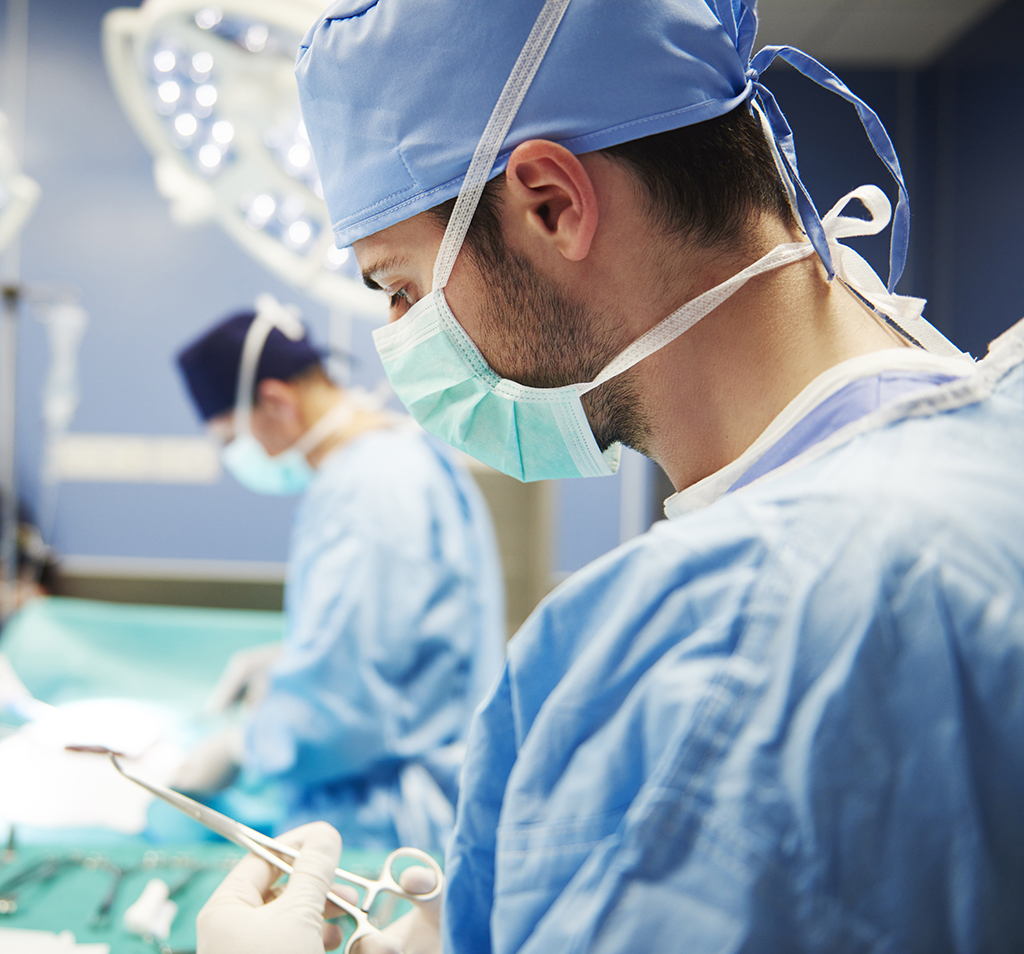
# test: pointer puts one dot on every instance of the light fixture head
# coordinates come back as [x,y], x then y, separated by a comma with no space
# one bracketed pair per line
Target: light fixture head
[210,89]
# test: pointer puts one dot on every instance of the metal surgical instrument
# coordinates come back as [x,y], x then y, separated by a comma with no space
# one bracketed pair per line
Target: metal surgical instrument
[270,850]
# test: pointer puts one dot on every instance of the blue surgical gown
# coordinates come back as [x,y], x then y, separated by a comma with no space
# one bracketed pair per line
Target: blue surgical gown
[790,721]
[395,632]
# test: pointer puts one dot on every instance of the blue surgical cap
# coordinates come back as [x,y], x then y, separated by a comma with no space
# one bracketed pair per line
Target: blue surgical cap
[210,363]
[396,93]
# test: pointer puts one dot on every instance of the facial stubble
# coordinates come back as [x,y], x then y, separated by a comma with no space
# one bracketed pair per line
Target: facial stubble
[539,336]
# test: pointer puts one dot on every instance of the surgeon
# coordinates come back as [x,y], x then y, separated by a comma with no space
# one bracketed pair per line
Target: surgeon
[789,718]
[393,597]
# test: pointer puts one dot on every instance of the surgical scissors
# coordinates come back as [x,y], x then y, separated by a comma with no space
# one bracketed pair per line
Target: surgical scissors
[269,849]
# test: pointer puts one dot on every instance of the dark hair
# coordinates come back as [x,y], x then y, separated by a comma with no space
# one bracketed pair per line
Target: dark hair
[706,181]
[703,182]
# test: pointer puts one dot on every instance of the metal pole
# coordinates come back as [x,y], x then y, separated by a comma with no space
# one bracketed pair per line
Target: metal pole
[15,77]
[8,473]
[16,71]
[15,83]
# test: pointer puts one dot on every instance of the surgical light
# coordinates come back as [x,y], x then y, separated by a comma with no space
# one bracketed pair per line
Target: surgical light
[337,256]
[206,95]
[263,206]
[210,17]
[210,156]
[186,124]
[299,155]
[299,232]
[210,90]
[169,92]
[256,37]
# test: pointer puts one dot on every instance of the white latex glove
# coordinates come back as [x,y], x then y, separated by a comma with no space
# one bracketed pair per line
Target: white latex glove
[419,931]
[15,697]
[213,763]
[246,915]
[12,689]
[245,678]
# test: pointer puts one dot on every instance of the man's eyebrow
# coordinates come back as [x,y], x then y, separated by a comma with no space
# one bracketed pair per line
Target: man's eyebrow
[380,267]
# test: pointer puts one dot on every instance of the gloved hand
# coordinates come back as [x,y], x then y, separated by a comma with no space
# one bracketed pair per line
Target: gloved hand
[213,763]
[419,931]
[245,678]
[15,697]
[246,915]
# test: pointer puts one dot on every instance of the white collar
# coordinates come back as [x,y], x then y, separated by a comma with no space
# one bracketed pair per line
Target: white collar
[712,487]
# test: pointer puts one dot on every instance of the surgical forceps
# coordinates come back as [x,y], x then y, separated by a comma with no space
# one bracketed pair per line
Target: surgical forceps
[269,849]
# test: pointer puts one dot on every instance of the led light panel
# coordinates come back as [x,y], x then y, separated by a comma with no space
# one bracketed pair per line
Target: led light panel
[210,90]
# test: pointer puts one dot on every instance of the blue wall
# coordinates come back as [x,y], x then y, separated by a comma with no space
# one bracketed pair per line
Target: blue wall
[957,128]
[149,286]
[971,103]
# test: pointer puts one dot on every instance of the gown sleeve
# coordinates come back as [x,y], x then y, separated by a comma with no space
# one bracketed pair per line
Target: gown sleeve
[385,611]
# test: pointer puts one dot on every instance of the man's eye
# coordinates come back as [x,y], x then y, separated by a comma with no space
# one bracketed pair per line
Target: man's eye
[400,295]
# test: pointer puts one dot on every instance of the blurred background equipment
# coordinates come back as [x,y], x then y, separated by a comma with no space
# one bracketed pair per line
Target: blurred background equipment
[18,193]
[18,196]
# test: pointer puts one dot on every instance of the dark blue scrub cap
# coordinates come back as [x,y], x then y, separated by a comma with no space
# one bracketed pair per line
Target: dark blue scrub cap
[396,93]
[210,363]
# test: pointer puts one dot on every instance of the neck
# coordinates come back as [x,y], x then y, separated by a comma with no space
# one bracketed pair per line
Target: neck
[320,400]
[709,394]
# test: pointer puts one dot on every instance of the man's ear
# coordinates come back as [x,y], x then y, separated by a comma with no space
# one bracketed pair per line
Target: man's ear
[551,197]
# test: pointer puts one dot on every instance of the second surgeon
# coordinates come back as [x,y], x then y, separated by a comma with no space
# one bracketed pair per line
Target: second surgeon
[393,598]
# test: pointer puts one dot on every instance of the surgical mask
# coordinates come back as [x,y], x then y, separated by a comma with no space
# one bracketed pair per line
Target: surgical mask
[543,433]
[245,458]
[528,433]
[289,472]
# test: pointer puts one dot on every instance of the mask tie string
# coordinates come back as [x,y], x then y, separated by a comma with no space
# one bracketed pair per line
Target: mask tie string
[494,134]
[686,316]
[270,314]
[902,310]
[851,269]
[877,135]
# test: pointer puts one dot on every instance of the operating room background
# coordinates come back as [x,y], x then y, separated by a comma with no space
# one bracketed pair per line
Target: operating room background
[148,285]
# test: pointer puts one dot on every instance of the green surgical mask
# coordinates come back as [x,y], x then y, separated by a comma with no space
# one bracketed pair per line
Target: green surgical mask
[528,433]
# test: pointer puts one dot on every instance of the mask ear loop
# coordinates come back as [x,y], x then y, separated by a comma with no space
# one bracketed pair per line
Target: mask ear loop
[270,314]
[493,136]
